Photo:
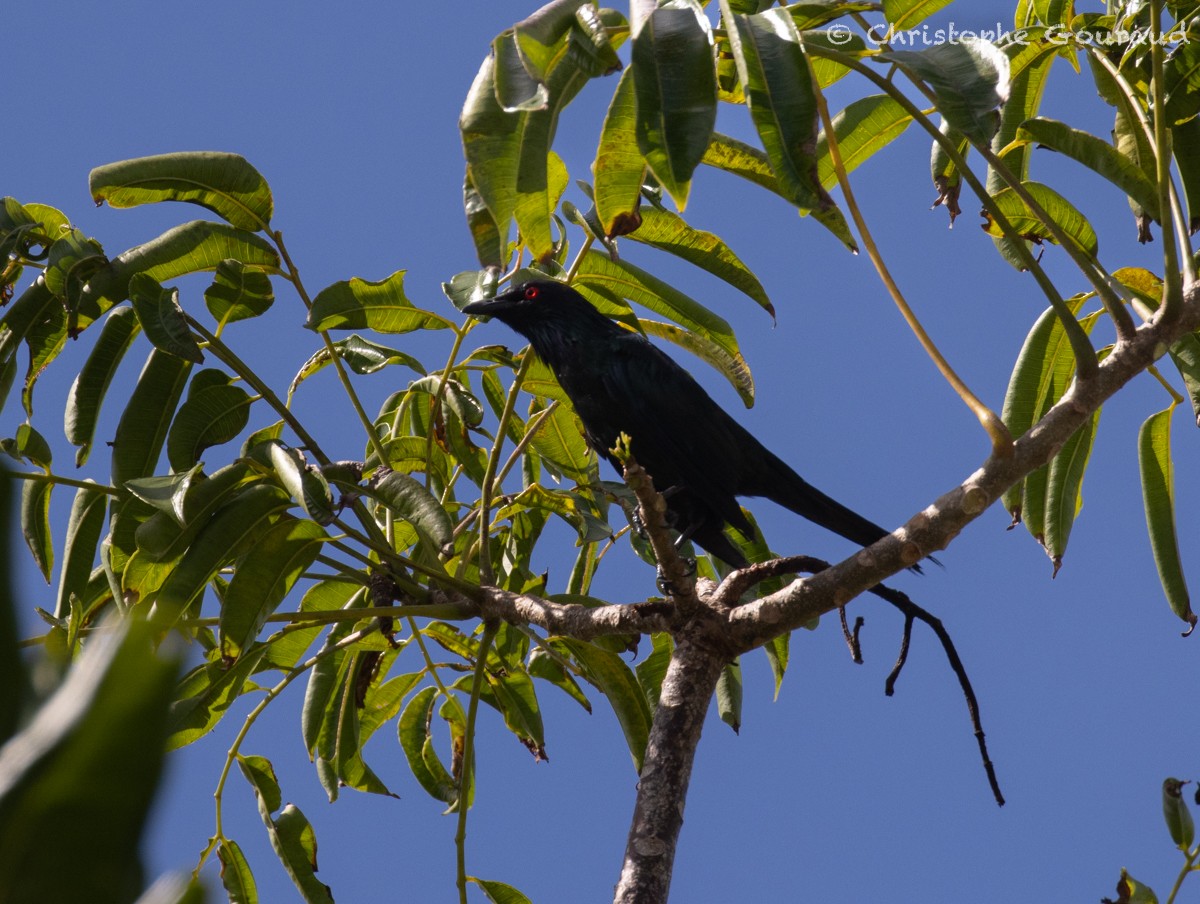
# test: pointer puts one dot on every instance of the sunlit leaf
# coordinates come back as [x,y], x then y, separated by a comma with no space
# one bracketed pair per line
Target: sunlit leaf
[224,183]
[676,89]
[381,306]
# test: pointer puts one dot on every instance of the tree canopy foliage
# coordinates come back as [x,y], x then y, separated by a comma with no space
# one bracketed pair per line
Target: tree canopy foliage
[392,573]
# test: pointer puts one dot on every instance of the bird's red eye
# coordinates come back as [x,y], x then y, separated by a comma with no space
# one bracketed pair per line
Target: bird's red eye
[531,292]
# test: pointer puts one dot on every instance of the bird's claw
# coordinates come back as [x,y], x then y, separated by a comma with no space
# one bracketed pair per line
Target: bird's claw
[665,587]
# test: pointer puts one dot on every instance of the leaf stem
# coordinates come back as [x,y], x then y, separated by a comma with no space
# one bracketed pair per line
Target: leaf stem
[997,432]
[466,779]
[57,480]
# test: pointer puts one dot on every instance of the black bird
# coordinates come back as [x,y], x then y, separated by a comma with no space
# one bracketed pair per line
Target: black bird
[701,459]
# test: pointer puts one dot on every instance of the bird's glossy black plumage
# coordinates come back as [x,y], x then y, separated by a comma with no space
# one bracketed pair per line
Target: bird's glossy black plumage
[700,458]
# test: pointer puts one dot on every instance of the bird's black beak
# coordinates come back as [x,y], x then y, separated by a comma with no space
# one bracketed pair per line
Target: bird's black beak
[492,306]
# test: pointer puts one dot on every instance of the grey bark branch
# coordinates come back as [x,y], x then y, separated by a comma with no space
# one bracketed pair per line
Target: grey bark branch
[662,787]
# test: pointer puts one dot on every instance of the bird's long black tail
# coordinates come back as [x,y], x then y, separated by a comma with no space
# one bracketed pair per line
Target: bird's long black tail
[781,484]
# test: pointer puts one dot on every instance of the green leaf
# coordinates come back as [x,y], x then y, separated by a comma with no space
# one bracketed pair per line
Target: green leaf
[1097,155]
[408,499]
[1177,815]
[417,744]
[304,483]
[729,696]
[29,445]
[1042,373]
[653,669]
[238,292]
[91,756]
[222,540]
[205,695]
[742,160]
[568,505]
[35,524]
[223,183]
[193,247]
[295,845]
[865,126]
[1064,481]
[263,578]
[513,694]
[516,88]
[380,306]
[1030,226]
[1158,496]
[1185,144]
[676,88]
[236,876]
[669,232]
[619,168]
[624,280]
[783,104]
[85,524]
[91,385]
[210,416]
[559,441]
[732,367]
[361,355]
[969,78]
[902,14]
[613,678]
[498,892]
[1132,891]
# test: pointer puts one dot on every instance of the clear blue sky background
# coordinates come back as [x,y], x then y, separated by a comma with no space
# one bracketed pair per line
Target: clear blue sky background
[833,792]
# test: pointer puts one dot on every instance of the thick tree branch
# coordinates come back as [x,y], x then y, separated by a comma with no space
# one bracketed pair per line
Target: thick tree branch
[937,525]
[662,787]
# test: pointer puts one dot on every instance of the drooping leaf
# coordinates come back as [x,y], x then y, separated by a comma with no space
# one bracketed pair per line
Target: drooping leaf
[783,104]
[417,744]
[361,355]
[263,578]
[675,84]
[224,183]
[1158,496]
[35,524]
[304,483]
[969,77]
[84,527]
[619,168]
[218,543]
[624,280]
[408,499]
[236,876]
[608,673]
[669,232]
[91,385]
[205,694]
[290,832]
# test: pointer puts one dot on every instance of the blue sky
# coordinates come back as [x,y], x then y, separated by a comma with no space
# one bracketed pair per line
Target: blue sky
[833,792]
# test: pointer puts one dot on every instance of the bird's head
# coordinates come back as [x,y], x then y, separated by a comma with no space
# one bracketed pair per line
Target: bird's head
[541,309]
